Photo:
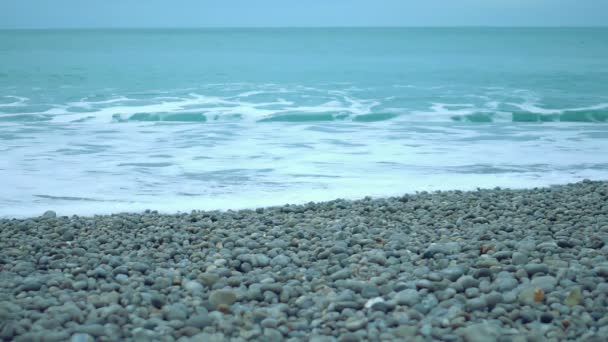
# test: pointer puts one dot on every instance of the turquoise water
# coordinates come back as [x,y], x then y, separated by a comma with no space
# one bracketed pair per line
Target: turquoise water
[97,121]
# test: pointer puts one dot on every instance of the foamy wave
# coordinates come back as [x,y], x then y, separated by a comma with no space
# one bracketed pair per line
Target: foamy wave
[279,103]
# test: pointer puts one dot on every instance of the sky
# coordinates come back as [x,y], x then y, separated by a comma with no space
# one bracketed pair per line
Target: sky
[297,13]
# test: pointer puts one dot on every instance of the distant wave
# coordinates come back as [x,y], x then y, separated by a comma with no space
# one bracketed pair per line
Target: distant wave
[274,103]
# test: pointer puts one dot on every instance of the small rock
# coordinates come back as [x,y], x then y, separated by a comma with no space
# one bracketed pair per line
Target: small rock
[49,214]
[122,278]
[226,297]
[373,301]
[476,304]
[200,320]
[529,295]
[481,332]
[547,283]
[81,337]
[355,324]
[272,335]
[519,258]
[177,311]
[269,323]
[280,260]
[31,285]
[453,272]
[527,316]
[574,297]
[409,297]
[506,283]
[466,282]
[208,279]
[447,248]
[536,268]
[192,286]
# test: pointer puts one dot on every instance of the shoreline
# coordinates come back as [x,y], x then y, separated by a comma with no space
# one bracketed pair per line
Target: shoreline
[250,203]
[486,265]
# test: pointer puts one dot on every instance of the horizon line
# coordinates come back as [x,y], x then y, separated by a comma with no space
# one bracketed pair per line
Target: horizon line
[290,27]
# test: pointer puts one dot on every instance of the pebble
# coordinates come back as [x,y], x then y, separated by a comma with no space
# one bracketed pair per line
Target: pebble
[506,284]
[225,297]
[405,268]
[547,283]
[476,304]
[193,286]
[81,337]
[177,311]
[408,297]
[31,285]
[519,258]
[533,269]
[444,248]
[280,260]
[481,332]
[355,324]
[49,214]
[200,320]
[209,279]
[466,282]
[453,272]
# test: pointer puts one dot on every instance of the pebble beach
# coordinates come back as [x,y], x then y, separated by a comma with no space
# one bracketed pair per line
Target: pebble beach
[486,265]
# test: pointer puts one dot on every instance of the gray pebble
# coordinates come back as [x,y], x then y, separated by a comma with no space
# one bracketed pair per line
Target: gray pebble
[536,268]
[408,297]
[225,297]
[519,258]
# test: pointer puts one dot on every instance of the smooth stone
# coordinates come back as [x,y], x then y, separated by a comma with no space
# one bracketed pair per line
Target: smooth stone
[122,278]
[192,286]
[547,283]
[527,296]
[200,320]
[519,258]
[272,335]
[527,316]
[225,297]
[409,297]
[452,273]
[269,323]
[493,299]
[506,284]
[49,214]
[208,279]
[355,324]
[574,297]
[370,291]
[467,281]
[481,332]
[31,285]
[476,304]
[536,268]
[280,260]
[93,329]
[176,311]
[446,248]
[81,337]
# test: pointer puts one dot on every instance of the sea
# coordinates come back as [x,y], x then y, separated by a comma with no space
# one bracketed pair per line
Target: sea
[123,120]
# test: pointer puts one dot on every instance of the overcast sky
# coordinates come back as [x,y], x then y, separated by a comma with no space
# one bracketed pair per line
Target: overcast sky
[291,13]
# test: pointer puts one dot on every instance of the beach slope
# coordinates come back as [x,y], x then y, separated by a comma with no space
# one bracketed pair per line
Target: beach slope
[487,265]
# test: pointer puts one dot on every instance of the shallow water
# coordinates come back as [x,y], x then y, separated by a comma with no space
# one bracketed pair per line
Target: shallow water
[99,121]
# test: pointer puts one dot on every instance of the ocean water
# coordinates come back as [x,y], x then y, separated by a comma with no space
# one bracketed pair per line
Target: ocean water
[103,121]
